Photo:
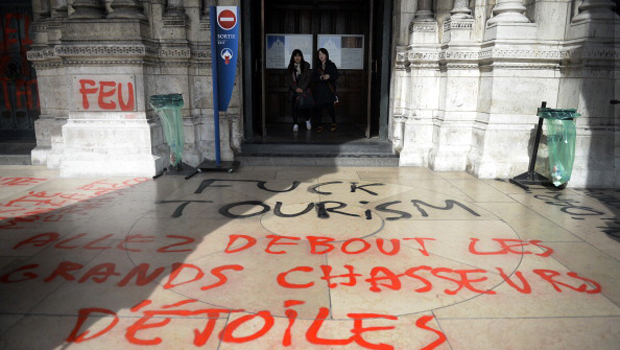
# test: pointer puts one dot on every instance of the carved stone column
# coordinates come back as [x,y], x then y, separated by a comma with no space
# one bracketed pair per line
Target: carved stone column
[423,28]
[460,26]
[461,10]
[593,65]
[595,10]
[174,8]
[87,9]
[44,10]
[508,11]
[59,8]
[127,9]
[424,12]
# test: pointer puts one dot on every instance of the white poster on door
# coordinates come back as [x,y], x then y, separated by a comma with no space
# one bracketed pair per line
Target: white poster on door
[281,46]
[345,50]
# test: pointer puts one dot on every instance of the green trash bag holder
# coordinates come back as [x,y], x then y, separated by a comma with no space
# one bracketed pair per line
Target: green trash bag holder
[168,108]
[531,177]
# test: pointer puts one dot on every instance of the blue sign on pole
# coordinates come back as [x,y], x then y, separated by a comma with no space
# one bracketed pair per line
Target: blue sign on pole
[224,50]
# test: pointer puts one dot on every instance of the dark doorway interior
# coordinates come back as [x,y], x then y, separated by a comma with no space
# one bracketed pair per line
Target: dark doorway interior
[19,101]
[362,90]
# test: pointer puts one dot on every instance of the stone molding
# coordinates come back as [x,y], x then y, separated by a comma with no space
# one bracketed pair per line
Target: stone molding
[201,54]
[461,55]
[47,64]
[413,56]
[460,66]
[458,24]
[422,27]
[531,56]
[175,22]
[175,53]
[112,51]
[205,25]
[39,26]
[40,55]
[592,53]
[103,63]
[100,50]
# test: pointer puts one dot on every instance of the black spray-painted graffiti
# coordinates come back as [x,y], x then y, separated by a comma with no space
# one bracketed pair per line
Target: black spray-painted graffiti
[323,209]
[579,212]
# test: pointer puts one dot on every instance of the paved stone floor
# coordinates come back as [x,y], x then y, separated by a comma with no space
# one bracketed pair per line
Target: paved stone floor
[305,258]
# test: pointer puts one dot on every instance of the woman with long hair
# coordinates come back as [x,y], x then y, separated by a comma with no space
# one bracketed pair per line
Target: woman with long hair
[324,88]
[298,79]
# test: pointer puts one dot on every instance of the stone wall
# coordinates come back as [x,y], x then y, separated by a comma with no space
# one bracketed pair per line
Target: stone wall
[469,81]
[466,82]
[88,53]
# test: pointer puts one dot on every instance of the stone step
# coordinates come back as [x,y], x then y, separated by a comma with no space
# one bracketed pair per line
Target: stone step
[16,152]
[346,149]
[317,161]
[357,153]
[15,159]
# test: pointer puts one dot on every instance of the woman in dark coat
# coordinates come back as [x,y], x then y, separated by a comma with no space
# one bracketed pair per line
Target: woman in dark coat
[324,79]
[298,79]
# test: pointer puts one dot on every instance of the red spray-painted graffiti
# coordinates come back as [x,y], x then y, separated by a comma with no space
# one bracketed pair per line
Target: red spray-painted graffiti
[240,326]
[166,314]
[41,206]
[378,278]
[105,95]
[19,181]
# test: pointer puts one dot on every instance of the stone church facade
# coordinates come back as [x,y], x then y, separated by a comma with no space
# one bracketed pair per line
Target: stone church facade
[466,78]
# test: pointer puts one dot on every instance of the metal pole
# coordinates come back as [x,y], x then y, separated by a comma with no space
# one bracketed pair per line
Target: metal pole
[216,112]
[530,170]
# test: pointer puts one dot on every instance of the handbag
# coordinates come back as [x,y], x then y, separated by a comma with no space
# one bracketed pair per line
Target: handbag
[305,100]
[331,87]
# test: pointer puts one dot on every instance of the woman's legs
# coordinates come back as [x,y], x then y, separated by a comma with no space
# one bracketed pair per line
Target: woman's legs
[332,112]
[294,110]
[318,115]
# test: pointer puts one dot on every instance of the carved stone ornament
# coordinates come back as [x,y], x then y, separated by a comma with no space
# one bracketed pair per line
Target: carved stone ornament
[100,50]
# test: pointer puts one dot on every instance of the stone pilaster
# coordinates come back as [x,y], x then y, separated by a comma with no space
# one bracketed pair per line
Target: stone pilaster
[58,9]
[595,10]
[87,9]
[590,79]
[206,4]
[459,77]
[508,11]
[126,9]
[460,26]
[174,8]
[108,130]
[461,10]
[43,10]
[50,73]
[399,99]
[424,12]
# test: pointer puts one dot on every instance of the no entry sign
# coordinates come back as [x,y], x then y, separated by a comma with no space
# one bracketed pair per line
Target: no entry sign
[225,42]
[224,49]
[226,19]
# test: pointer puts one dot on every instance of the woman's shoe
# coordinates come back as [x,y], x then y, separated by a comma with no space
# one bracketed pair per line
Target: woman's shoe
[295,128]
[308,125]
[333,127]
[319,129]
